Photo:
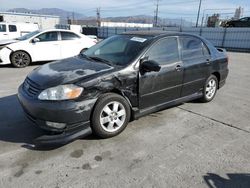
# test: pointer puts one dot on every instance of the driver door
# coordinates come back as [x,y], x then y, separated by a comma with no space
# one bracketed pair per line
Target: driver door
[156,88]
[47,48]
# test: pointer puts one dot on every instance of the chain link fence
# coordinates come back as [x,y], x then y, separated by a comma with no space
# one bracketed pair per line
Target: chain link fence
[230,38]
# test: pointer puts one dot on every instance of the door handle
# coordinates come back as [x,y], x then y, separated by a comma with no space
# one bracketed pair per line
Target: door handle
[207,61]
[5,34]
[178,67]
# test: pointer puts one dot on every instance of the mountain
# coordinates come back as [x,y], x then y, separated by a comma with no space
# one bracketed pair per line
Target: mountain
[149,19]
[86,20]
[50,11]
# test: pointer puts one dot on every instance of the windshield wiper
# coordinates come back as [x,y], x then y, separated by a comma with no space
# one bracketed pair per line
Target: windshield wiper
[100,59]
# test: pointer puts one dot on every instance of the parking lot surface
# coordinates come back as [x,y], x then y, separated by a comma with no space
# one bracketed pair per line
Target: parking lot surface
[190,145]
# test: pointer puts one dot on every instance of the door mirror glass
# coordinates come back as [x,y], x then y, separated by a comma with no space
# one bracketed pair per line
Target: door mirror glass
[35,40]
[150,66]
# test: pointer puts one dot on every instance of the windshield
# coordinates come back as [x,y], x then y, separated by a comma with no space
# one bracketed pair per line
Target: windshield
[118,50]
[29,35]
[2,28]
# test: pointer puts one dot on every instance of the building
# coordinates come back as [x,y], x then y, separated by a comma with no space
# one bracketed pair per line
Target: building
[213,21]
[238,13]
[44,21]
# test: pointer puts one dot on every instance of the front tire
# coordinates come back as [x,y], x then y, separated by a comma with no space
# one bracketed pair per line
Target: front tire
[110,116]
[20,59]
[210,89]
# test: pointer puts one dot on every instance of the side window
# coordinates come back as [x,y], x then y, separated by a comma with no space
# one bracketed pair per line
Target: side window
[192,48]
[205,50]
[69,36]
[2,28]
[164,51]
[48,36]
[12,28]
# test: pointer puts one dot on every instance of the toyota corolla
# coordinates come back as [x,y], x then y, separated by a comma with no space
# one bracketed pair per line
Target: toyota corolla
[121,79]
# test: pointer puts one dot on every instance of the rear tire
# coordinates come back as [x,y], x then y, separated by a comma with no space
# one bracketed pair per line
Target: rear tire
[20,59]
[210,89]
[110,116]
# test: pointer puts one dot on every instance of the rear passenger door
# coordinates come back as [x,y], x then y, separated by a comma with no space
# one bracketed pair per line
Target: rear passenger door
[157,88]
[196,59]
[70,44]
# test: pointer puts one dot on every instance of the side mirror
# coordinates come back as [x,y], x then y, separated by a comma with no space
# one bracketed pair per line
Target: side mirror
[34,40]
[150,66]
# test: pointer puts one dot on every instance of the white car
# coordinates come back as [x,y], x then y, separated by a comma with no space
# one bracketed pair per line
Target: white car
[45,45]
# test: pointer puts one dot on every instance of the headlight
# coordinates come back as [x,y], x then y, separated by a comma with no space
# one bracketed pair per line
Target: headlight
[61,92]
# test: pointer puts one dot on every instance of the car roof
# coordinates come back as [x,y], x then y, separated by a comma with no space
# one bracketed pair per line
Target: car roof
[44,30]
[156,33]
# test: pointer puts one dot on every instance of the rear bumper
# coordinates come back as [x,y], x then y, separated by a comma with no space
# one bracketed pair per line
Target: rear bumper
[74,116]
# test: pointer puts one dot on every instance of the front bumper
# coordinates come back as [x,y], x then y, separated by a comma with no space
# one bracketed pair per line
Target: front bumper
[5,56]
[74,114]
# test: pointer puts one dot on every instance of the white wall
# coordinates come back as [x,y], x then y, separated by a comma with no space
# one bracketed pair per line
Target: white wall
[44,22]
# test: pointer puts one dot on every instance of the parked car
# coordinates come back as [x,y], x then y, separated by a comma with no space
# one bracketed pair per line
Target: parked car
[243,22]
[12,30]
[47,45]
[121,79]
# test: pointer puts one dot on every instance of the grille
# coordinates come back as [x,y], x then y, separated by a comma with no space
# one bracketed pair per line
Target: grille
[31,88]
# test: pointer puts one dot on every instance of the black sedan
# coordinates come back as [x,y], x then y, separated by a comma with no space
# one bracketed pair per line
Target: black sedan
[121,79]
[243,22]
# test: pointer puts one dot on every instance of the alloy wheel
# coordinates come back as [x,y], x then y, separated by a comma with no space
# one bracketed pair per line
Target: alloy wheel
[211,89]
[112,116]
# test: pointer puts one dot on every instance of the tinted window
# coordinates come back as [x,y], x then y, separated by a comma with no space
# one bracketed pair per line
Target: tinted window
[2,28]
[69,36]
[49,36]
[12,28]
[165,51]
[205,50]
[192,48]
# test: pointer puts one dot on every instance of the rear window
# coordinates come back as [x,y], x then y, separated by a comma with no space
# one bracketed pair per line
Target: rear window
[193,48]
[69,36]
[12,28]
[2,28]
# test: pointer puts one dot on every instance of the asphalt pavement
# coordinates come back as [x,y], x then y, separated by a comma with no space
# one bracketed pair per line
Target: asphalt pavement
[190,145]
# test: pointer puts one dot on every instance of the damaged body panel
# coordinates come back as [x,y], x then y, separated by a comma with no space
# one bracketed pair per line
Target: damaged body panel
[122,67]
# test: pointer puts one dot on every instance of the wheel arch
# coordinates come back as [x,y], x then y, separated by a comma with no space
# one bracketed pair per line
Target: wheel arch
[13,51]
[118,92]
[217,74]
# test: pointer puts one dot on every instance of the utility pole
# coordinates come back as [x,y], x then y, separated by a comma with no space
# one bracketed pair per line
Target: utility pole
[198,15]
[98,17]
[156,14]
[73,17]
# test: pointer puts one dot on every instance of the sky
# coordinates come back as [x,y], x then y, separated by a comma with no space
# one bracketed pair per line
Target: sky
[186,9]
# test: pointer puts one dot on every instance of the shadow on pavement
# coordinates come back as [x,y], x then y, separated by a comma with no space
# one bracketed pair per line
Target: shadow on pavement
[14,127]
[233,181]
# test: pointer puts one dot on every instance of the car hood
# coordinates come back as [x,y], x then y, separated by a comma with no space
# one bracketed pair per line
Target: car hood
[7,41]
[67,71]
